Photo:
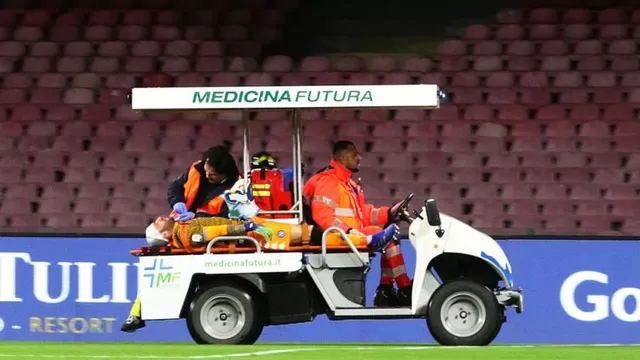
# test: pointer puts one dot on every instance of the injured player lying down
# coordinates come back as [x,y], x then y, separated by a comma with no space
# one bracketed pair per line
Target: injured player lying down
[196,233]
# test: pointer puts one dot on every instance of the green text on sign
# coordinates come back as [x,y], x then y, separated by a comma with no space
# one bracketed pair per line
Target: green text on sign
[252,96]
[286,97]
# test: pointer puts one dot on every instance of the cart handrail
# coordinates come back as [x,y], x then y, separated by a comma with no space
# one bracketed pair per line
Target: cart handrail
[345,238]
[242,237]
[277,212]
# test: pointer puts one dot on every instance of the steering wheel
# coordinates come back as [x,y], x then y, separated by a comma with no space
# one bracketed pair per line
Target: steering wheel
[401,212]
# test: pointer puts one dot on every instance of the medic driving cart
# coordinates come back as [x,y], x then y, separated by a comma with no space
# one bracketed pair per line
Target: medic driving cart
[231,289]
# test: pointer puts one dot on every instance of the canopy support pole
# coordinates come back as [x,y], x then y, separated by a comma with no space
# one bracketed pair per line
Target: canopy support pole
[297,164]
[246,155]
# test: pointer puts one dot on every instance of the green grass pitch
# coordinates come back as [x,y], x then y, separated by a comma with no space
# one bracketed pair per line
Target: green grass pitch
[283,351]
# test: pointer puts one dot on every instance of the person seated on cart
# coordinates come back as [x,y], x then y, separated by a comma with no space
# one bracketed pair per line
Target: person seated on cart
[267,161]
[193,235]
[196,192]
[272,186]
[335,199]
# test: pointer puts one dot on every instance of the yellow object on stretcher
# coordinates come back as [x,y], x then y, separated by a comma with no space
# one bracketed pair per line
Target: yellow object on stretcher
[281,236]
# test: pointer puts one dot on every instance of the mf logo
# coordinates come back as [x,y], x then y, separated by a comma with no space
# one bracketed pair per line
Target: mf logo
[160,274]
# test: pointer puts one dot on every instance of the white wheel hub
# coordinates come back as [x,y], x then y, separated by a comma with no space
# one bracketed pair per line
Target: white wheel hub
[463,314]
[222,317]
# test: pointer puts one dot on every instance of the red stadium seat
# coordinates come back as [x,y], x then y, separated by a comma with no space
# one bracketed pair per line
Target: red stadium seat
[541,112]
[554,47]
[576,32]
[510,32]
[477,32]
[625,64]
[415,65]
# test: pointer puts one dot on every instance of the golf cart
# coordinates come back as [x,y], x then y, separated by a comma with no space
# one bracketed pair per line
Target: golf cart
[462,280]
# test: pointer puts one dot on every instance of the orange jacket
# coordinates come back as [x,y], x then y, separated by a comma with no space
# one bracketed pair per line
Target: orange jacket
[337,200]
[191,186]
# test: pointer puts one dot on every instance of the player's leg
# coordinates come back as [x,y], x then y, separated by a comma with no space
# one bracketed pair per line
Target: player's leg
[285,235]
[374,240]
[211,232]
[334,239]
[134,320]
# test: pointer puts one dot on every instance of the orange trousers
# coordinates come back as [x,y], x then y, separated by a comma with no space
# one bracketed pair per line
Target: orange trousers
[286,235]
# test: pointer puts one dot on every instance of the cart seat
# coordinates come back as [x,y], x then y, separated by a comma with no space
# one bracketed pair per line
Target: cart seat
[233,248]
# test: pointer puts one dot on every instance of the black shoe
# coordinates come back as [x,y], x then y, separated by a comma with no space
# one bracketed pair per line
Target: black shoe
[132,324]
[385,296]
[404,296]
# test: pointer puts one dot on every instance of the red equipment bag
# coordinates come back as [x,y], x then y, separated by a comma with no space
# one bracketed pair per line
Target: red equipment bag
[269,192]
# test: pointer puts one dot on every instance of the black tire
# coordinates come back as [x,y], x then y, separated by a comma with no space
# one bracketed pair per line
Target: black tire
[469,292]
[232,297]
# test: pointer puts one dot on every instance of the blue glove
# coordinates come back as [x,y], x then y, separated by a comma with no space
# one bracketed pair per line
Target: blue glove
[185,216]
[180,208]
[287,177]
[251,226]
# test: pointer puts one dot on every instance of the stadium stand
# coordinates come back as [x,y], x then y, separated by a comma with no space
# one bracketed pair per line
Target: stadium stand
[540,134]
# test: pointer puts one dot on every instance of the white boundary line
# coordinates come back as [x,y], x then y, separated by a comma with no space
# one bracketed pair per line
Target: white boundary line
[285,351]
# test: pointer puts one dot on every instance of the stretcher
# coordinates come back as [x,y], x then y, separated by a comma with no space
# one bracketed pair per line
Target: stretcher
[233,248]
[227,293]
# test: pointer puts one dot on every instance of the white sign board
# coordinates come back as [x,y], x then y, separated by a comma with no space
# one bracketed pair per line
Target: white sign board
[165,280]
[286,97]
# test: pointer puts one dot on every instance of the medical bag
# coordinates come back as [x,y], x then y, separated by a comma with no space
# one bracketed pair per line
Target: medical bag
[270,193]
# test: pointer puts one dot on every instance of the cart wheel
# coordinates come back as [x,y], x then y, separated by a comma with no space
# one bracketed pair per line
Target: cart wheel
[224,314]
[464,313]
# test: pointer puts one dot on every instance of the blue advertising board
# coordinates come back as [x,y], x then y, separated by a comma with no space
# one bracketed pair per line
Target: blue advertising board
[81,289]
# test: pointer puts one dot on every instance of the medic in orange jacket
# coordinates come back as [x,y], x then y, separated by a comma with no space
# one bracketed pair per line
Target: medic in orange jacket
[196,192]
[337,200]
